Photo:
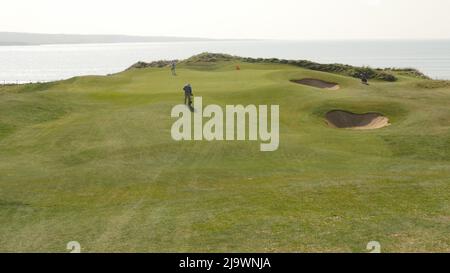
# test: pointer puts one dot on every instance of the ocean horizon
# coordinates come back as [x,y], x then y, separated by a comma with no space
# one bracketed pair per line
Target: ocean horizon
[42,63]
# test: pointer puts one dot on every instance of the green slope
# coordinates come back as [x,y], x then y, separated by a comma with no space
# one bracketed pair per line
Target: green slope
[91,159]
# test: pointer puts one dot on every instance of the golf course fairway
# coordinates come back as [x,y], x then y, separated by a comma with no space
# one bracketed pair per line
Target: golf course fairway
[91,159]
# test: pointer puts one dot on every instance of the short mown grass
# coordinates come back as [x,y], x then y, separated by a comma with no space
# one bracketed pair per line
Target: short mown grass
[91,159]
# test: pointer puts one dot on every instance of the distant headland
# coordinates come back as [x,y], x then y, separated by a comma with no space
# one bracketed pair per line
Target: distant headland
[20,39]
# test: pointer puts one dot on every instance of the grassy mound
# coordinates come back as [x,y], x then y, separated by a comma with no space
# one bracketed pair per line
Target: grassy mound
[434,84]
[209,59]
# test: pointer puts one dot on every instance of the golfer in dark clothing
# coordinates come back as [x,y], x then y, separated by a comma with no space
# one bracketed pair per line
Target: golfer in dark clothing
[364,79]
[173,67]
[188,94]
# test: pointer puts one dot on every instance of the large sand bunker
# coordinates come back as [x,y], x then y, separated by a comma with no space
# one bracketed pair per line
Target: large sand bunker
[318,83]
[348,120]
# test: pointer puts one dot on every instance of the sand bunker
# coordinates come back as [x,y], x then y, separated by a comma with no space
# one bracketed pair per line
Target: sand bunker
[318,83]
[344,119]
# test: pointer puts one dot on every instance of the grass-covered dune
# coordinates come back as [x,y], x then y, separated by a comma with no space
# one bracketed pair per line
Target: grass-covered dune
[91,159]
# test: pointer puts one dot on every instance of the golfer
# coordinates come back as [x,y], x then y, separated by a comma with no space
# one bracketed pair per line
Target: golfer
[188,94]
[173,67]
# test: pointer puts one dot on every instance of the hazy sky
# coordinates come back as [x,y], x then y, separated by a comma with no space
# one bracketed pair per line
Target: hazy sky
[280,19]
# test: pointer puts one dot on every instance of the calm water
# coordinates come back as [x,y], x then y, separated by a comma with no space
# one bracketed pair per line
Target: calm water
[55,62]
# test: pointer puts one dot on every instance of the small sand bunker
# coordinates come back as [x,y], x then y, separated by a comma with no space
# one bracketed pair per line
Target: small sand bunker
[318,83]
[344,119]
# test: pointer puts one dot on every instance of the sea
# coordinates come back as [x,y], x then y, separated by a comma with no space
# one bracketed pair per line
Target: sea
[42,63]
